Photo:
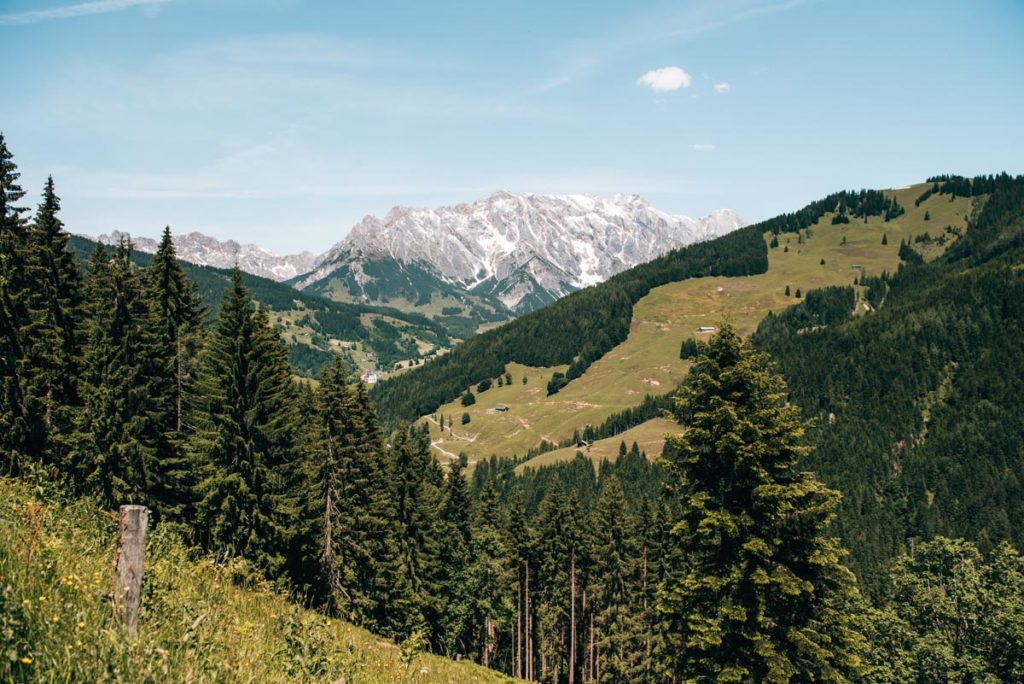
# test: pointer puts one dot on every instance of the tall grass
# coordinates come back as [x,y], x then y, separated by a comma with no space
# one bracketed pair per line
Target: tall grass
[200,621]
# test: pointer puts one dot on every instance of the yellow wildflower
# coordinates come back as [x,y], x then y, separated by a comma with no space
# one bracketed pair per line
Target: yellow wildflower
[25,660]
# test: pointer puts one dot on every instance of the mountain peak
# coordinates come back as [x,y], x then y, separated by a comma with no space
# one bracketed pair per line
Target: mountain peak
[569,241]
[199,248]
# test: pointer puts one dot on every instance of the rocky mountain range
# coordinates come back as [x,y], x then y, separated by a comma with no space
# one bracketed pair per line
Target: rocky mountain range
[471,263]
[517,250]
[197,248]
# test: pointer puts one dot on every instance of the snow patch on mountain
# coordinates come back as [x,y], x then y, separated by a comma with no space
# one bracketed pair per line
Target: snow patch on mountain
[566,242]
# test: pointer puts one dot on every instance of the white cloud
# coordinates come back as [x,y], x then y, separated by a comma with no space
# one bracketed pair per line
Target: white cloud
[69,11]
[722,87]
[665,79]
[702,147]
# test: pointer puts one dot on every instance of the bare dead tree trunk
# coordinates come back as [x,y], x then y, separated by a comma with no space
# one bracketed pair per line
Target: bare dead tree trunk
[128,565]
[592,668]
[517,642]
[529,628]
[180,382]
[647,621]
[572,617]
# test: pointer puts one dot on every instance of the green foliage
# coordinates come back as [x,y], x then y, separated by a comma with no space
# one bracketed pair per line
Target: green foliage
[465,418]
[758,590]
[822,307]
[22,435]
[689,349]
[557,382]
[115,449]
[953,615]
[353,531]
[243,409]
[468,399]
[53,343]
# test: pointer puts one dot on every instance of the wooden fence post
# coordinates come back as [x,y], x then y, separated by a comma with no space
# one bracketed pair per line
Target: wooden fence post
[131,552]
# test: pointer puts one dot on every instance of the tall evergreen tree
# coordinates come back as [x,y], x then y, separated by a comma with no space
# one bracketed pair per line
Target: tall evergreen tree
[455,548]
[759,592]
[243,410]
[417,492]
[175,325]
[53,338]
[21,430]
[482,605]
[561,554]
[355,517]
[112,445]
[616,588]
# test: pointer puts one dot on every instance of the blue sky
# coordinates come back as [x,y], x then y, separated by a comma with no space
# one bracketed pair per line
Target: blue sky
[284,122]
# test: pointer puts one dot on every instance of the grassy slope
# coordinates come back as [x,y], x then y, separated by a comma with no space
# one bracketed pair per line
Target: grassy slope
[648,361]
[649,437]
[196,624]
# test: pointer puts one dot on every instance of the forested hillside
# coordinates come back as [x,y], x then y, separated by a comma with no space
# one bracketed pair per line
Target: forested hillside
[920,405]
[313,327]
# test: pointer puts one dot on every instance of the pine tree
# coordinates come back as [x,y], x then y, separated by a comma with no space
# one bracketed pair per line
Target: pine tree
[487,579]
[175,324]
[53,335]
[417,492]
[243,444]
[113,444]
[758,591]
[561,557]
[354,519]
[616,587]
[22,436]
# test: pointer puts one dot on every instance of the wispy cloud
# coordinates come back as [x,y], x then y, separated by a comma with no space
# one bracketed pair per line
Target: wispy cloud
[70,11]
[702,147]
[722,88]
[665,79]
[694,27]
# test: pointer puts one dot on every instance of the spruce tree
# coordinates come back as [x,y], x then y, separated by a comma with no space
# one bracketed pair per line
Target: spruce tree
[243,444]
[22,435]
[113,444]
[53,335]
[758,591]
[418,497]
[455,549]
[562,556]
[175,324]
[355,519]
[616,587]
[488,578]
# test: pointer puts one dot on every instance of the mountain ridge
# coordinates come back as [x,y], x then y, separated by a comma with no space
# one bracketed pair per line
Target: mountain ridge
[468,244]
[204,250]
